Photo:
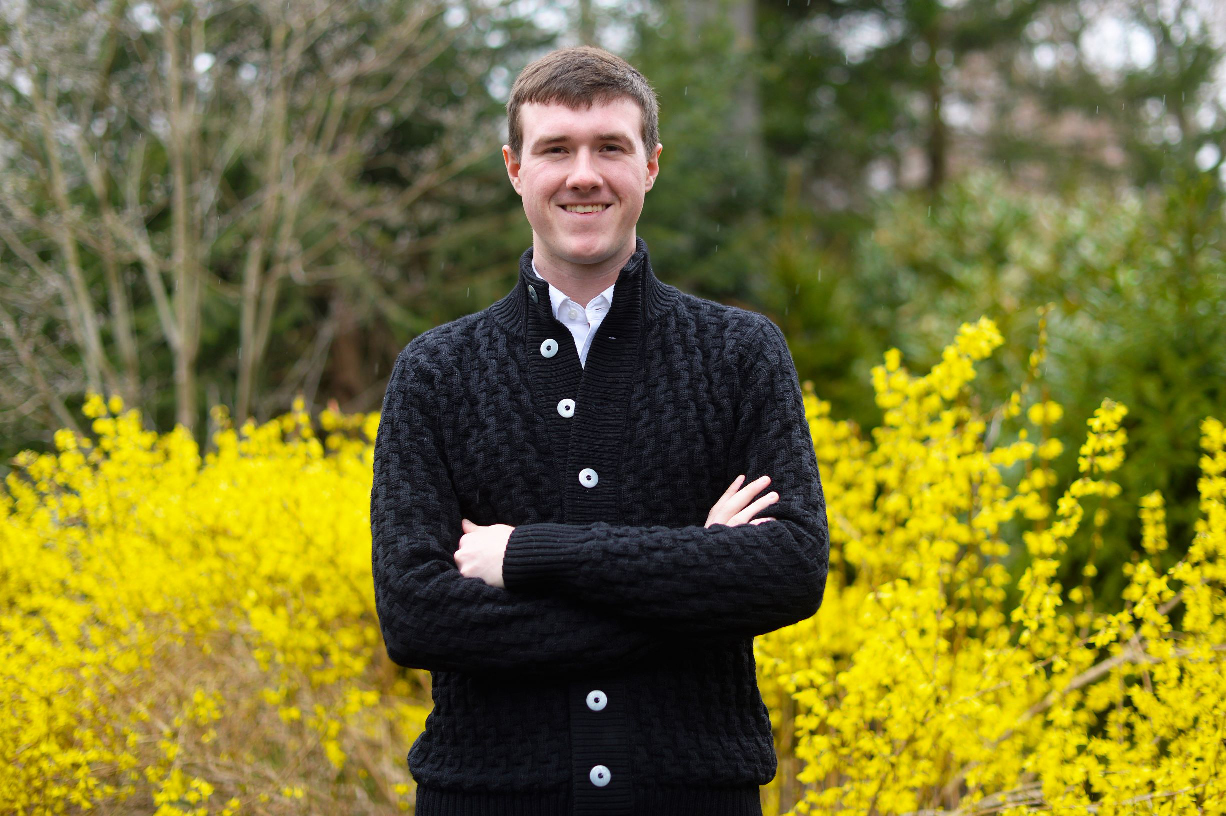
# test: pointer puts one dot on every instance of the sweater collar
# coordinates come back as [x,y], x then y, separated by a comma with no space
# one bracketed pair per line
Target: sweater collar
[635,282]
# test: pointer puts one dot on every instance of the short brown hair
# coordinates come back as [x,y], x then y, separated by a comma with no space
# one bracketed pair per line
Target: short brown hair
[577,77]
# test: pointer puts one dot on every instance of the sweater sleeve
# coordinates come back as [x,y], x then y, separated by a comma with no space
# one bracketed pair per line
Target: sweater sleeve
[430,615]
[743,580]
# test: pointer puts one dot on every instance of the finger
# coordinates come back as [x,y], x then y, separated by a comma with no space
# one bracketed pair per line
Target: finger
[729,506]
[735,484]
[762,520]
[755,508]
[756,486]
[718,508]
[733,500]
[467,526]
[746,493]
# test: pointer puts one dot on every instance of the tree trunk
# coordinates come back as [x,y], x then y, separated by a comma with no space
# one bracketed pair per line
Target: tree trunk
[77,296]
[187,279]
[937,136]
[745,114]
[587,23]
[345,380]
[250,349]
[746,124]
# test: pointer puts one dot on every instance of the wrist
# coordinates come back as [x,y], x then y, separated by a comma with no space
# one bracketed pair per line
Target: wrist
[539,556]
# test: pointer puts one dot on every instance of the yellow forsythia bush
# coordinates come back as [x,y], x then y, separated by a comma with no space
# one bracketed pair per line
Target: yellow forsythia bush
[180,635]
[917,688]
[185,634]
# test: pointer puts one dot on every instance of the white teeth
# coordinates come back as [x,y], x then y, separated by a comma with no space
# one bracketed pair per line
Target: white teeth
[585,208]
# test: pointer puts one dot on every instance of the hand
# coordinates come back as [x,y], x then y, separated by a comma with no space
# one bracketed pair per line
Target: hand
[734,508]
[482,550]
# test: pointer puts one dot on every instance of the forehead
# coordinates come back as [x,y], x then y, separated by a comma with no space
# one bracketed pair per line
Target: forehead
[620,115]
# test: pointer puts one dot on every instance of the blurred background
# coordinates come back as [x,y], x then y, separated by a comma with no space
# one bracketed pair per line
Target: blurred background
[233,203]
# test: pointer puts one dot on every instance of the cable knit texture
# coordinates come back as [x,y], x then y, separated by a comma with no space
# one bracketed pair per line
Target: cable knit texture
[613,585]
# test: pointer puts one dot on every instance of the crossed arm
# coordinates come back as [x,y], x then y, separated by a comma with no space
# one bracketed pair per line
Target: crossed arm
[482,548]
[556,597]
[735,576]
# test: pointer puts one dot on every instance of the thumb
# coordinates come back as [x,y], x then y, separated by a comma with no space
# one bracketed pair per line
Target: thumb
[467,526]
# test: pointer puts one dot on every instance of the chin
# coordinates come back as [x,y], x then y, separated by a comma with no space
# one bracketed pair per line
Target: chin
[588,257]
[606,248]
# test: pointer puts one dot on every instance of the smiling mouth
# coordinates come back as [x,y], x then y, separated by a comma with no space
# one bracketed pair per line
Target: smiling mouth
[585,209]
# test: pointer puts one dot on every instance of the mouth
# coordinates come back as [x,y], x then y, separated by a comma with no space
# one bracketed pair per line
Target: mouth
[587,210]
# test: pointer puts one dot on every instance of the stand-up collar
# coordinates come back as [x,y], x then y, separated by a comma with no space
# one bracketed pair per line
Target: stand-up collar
[636,283]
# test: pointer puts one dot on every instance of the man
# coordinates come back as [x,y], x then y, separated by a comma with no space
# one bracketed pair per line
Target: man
[564,522]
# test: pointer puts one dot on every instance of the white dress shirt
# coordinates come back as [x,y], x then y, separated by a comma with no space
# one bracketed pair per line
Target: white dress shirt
[581,320]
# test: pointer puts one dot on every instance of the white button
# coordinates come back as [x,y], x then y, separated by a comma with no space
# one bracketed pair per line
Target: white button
[596,700]
[600,776]
[572,314]
[549,348]
[567,408]
[588,477]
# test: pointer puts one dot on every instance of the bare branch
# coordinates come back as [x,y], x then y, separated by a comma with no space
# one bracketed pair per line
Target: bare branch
[80,305]
[28,361]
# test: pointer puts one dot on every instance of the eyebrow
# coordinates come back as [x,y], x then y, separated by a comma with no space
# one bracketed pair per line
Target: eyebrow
[600,137]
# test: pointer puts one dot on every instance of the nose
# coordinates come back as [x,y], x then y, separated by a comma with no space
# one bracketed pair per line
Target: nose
[583,174]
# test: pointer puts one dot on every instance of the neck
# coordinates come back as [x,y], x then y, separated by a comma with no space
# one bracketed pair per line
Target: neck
[581,282]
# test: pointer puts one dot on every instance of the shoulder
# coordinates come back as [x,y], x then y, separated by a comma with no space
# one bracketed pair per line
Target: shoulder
[748,348]
[445,345]
[737,330]
[432,359]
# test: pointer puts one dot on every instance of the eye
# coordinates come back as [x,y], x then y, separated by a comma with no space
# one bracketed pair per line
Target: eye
[554,149]
[615,147]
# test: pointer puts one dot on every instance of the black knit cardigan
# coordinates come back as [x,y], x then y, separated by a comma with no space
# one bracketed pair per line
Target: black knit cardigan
[615,673]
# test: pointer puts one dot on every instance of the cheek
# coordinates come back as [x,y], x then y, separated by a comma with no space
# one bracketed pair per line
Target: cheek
[533,200]
[634,198]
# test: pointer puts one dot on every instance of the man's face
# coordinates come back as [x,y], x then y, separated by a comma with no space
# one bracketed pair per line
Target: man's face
[571,160]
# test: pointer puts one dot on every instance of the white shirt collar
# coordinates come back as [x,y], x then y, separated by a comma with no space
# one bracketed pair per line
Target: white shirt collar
[557,297]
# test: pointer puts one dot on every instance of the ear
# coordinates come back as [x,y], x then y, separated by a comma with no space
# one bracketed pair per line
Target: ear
[512,164]
[653,166]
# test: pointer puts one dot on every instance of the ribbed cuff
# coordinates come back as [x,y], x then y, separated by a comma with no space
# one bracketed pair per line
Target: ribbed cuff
[678,801]
[538,555]
[667,801]
[440,802]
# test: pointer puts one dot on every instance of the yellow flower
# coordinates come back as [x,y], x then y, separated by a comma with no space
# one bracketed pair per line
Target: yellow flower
[94,406]
[170,612]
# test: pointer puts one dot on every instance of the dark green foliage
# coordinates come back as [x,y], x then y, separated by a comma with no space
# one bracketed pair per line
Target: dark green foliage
[771,137]
[1139,289]
[711,187]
